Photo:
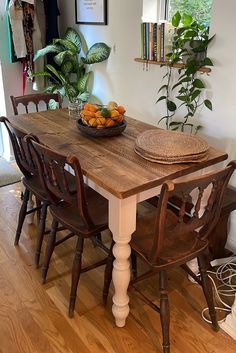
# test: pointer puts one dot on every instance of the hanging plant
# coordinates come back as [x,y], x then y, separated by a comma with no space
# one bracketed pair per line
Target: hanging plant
[189,46]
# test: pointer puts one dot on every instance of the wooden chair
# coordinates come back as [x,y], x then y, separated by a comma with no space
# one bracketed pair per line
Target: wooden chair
[31,183]
[164,239]
[84,214]
[35,99]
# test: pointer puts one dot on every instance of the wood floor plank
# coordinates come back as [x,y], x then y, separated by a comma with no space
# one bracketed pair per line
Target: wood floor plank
[33,318]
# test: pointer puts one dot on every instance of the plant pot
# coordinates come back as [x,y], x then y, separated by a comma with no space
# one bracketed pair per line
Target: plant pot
[197,56]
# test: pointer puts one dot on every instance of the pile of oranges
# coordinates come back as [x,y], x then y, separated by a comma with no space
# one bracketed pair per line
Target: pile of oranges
[101,117]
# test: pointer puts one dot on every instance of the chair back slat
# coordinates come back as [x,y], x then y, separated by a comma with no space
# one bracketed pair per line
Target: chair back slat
[35,99]
[205,193]
[57,182]
[21,151]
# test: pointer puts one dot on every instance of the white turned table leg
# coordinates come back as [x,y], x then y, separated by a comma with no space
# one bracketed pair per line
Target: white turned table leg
[122,223]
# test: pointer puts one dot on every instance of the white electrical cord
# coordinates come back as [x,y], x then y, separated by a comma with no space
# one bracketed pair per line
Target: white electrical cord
[226,274]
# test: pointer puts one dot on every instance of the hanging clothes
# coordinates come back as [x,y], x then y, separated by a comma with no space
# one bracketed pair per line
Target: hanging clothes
[15,11]
[28,26]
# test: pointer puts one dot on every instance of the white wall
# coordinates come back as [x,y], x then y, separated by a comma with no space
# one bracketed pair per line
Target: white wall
[124,81]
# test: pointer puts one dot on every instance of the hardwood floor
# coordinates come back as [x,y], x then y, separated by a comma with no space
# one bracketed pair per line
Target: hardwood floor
[33,318]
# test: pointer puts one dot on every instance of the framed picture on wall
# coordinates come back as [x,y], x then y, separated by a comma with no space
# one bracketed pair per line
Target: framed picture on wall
[91,12]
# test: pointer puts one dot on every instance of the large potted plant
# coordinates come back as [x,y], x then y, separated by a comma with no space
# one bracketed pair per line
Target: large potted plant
[71,72]
[189,45]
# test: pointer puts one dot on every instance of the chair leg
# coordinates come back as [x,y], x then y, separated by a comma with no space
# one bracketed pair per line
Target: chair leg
[49,249]
[41,230]
[95,238]
[164,311]
[38,204]
[108,274]
[22,215]
[207,289]
[134,264]
[76,270]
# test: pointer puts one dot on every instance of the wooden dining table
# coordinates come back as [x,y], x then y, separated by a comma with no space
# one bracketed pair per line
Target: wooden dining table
[112,168]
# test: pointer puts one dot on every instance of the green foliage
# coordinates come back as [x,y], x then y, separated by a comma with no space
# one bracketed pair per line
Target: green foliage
[198,9]
[189,45]
[70,74]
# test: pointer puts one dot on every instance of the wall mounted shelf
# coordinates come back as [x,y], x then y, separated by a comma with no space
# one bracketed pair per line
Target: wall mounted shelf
[178,66]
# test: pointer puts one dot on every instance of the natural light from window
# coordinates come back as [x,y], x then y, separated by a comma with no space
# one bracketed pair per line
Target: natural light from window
[200,10]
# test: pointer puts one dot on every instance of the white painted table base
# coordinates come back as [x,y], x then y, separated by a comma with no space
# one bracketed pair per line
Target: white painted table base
[122,223]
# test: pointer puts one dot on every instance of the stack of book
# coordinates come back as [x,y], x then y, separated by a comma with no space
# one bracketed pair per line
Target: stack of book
[156,40]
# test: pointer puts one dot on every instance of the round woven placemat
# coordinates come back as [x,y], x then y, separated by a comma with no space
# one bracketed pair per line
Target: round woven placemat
[187,159]
[170,147]
[167,144]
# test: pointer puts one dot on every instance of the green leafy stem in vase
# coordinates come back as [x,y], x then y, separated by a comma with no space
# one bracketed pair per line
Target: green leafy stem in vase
[70,75]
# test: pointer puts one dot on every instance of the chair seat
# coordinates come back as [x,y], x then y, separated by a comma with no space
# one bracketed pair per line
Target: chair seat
[68,215]
[175,250]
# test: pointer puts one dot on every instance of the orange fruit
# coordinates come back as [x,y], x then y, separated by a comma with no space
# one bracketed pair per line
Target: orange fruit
[86,106]
[87,118]
[109,122]
[114,114]
[87,113]
[93,108]
[93,122]
[98,114]
[101,121]
[120,119]
[121,109]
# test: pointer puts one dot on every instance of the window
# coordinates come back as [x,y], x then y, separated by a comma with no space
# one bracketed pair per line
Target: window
[198,9]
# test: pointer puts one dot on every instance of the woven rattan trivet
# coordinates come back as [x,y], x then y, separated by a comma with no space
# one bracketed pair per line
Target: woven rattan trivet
[170,147]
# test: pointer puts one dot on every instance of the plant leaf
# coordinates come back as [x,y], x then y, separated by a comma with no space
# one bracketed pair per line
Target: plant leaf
[52,104]
[176,19]
[41,73]
[164,117]
[48,49]
[70,92]
[207,62]
[82,83]
[197,128]
[52,88]
[60,57]
[161,98]
[186,79]
[171,106]
[208,104]
[74,37]
[182,98]
[187,19]
[97,53]
[174,123]
[84,96]
[67,44]
[198,83]
[195,94]
[56,73]
[67,67]
[162,87]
